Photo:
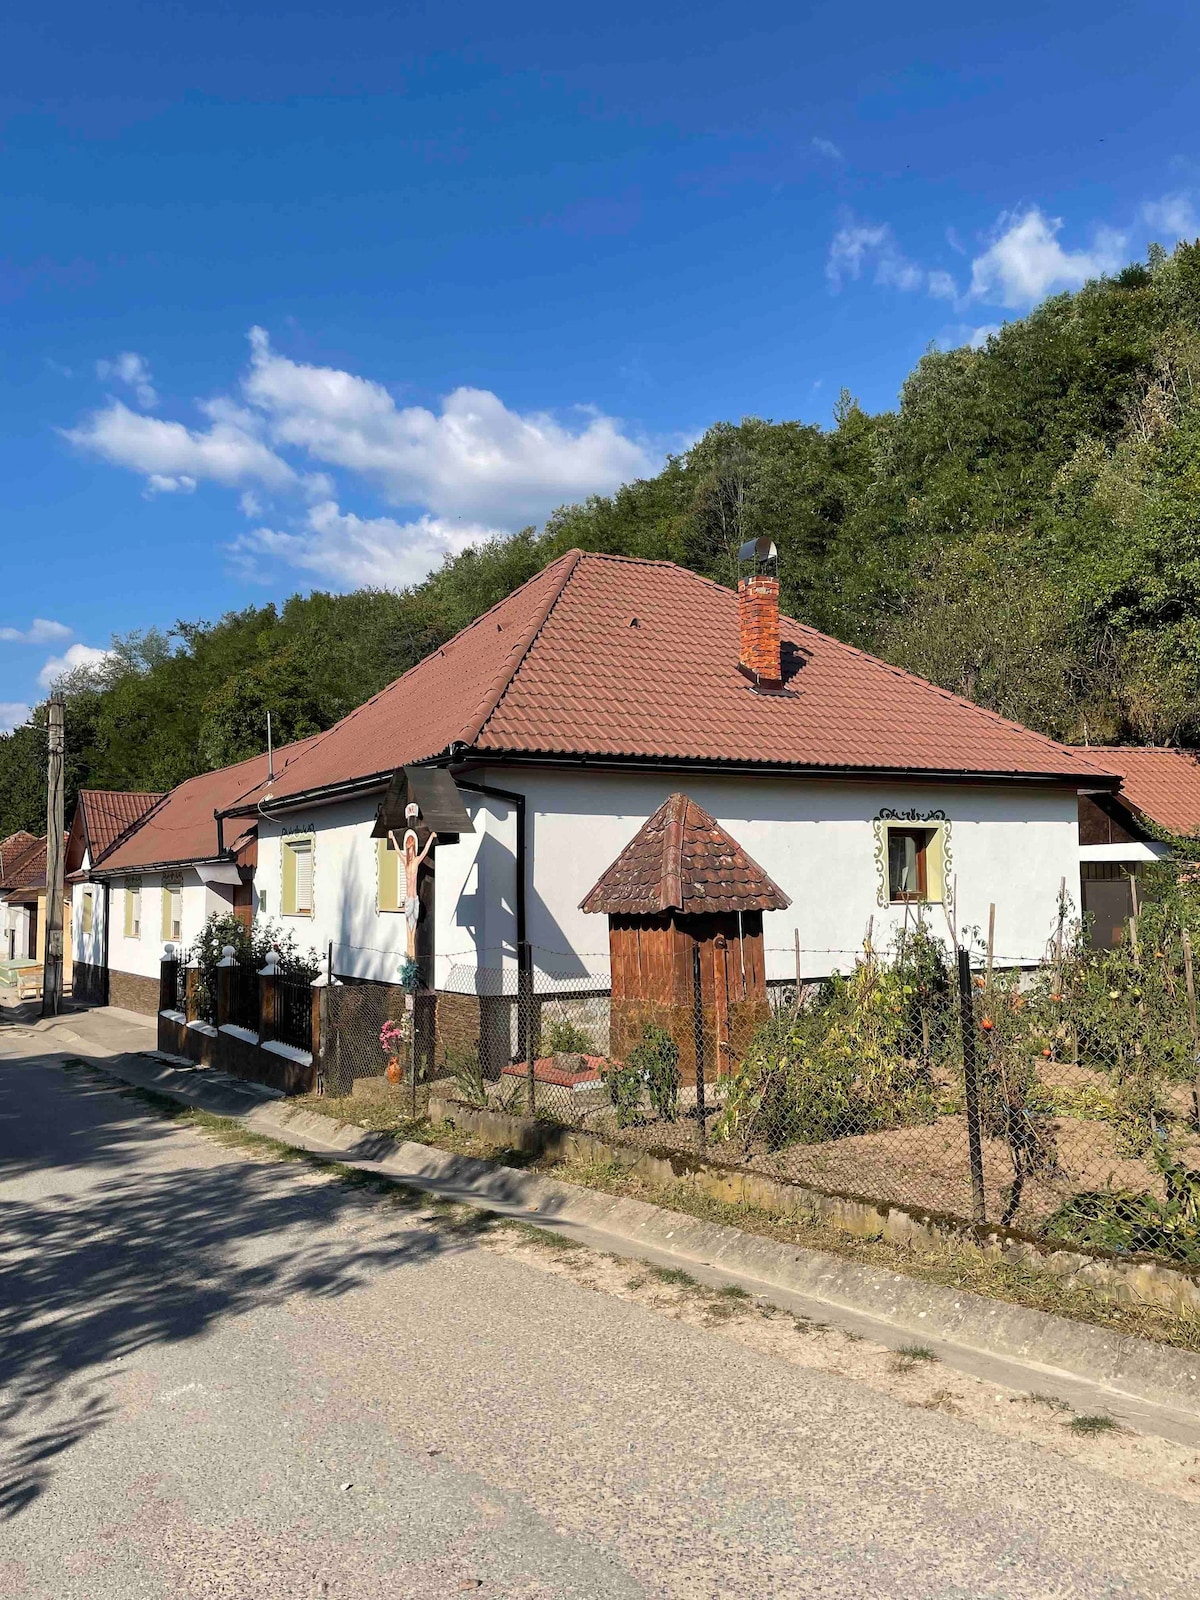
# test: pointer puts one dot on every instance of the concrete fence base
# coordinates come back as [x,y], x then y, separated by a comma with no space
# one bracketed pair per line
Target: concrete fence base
[1137,1279]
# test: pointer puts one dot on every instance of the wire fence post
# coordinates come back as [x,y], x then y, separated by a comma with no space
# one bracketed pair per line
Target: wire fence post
[525,1008]
[698,1030]
[970,1050]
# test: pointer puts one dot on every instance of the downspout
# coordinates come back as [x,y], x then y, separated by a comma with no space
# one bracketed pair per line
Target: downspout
[104,984]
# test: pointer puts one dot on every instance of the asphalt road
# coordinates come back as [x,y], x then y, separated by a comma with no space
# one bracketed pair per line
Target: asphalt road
[228,1378]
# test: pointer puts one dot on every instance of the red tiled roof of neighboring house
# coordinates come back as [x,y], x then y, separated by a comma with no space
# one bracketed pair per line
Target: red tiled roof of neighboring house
[1163,784]
[681,859]
[182,827]
[12,849]
[108,813]
[28,871]
[605,656]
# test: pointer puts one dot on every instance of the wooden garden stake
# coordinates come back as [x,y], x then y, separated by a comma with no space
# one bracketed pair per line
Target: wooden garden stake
[1191,1000]
[991,939]
[796,1006]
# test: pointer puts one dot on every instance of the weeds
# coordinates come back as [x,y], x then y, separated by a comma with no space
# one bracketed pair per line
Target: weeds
[1096,1423]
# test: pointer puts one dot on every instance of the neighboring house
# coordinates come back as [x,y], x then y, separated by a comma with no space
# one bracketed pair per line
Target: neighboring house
[1120,833]
[102,817]
[24,897]
[570,711]
[164,875]
[18,921]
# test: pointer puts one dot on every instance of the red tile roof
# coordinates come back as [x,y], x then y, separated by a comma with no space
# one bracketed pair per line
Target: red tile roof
[605,656]
[28,871]
[108,813]
[12,849]
[182,828]
[1164,784]
[681,859]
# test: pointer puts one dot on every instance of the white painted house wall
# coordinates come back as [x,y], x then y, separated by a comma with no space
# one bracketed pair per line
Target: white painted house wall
[142,956]
[1010,845]
[87,948]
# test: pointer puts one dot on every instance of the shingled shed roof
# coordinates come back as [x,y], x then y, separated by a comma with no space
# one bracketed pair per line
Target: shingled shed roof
[682,859]
[627,660]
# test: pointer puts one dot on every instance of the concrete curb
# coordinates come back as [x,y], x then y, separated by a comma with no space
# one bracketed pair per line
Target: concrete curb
[1126,1367]
[1136,1368]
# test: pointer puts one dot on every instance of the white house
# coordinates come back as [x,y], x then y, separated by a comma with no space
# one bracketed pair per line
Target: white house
[571,710]
[565,716]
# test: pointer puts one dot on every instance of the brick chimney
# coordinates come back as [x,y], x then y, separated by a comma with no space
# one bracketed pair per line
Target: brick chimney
[758,618]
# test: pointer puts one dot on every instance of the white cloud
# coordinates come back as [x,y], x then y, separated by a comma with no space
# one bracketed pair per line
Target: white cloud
[942,286]
[249,504]
[473,458]
[40,631]
[1173,217]
[12,714]
[132,370]
[978,337]
[174,457]
[351,550]
[76,656]
[1025,261]
[826,147]
[857,245]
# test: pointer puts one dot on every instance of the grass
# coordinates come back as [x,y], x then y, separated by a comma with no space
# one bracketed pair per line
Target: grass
[953,1265]
[674,1275]
[545,1237]
[1050,1400]
[1095,1423]
[915,1352]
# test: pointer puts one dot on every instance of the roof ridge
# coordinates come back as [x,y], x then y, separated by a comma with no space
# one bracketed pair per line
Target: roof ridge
[515,658]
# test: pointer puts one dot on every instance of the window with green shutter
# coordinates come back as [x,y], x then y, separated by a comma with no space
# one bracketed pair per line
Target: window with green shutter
[297,857]
[133,908]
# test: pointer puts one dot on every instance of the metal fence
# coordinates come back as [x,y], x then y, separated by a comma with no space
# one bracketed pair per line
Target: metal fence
[293,1011]
[357,1014]
[1062,1100]
[244,996]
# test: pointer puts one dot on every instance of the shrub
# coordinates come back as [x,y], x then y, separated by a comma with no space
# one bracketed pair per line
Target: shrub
[655,1059]
[251,946]
[624,1085]
[564,1038]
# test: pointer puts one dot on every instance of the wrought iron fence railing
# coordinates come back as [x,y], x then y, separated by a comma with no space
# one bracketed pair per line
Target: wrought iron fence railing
[293,1012]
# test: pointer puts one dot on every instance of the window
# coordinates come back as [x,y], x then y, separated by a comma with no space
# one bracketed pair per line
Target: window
[133,908]
[914,864]
[298,877]
[172,910]
[85,912]
[388,879]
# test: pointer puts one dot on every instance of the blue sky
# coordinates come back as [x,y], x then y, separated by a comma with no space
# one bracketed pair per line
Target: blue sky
[298,299]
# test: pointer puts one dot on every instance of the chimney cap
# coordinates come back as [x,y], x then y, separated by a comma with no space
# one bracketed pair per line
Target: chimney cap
[758,550]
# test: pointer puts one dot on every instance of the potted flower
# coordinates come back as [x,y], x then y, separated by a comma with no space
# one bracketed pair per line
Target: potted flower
[394,1037]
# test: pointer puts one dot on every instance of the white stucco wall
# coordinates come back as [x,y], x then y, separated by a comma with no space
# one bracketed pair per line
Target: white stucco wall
[1011,846]
[143,955]
[87,948]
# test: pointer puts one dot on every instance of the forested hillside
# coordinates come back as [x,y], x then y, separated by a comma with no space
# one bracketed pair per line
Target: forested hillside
[1024,529]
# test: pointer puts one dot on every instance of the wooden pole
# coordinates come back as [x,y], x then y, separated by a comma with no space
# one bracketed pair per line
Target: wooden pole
[1195,1029]
[991,939]
[52,968]
[970,1049]
[799,987]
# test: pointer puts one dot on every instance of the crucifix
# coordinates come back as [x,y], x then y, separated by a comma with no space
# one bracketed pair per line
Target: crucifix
[412,857]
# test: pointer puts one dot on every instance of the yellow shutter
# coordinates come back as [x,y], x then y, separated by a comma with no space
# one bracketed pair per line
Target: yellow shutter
[935,867]
[166,912]
[388,897]
[288,905]
[129,917]
[86,917]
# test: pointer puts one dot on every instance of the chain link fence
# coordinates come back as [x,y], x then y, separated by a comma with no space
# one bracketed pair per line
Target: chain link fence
[1061,1099]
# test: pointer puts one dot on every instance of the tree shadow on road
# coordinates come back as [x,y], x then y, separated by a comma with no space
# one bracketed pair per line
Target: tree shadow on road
[155,1255]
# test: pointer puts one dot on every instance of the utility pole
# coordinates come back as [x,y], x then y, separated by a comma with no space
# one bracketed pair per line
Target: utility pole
[52,971]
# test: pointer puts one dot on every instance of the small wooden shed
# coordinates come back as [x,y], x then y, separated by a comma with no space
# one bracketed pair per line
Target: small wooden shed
[684,904]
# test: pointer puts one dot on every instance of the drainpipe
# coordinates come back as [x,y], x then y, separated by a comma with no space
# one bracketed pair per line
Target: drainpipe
[104,984]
